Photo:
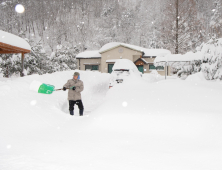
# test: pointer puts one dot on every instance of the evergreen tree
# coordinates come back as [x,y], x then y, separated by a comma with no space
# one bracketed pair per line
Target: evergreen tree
[212,59]
[37,62]
[64,58]
[71,58]
[10,64]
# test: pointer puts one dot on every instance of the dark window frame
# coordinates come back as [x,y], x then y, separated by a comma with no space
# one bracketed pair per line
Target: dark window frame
[90,67]
[158,68]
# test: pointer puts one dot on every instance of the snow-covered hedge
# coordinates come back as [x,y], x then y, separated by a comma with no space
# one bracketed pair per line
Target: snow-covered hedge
[189,68]
[212,59]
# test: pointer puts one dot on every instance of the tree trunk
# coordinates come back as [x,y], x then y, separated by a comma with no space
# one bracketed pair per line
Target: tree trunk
[177,27]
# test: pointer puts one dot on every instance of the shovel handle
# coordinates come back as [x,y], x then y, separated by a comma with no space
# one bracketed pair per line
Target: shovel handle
[58,89]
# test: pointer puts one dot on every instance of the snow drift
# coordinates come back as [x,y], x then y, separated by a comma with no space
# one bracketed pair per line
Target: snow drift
[147,123]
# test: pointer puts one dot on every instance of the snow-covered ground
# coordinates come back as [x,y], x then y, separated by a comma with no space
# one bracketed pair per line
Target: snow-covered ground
[144,123]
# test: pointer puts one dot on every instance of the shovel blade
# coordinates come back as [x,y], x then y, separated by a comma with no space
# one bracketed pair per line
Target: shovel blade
[46,89]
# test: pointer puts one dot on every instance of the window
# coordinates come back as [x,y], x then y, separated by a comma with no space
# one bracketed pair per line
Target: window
[152,67]
[91,67]
[159,68]
[95,67]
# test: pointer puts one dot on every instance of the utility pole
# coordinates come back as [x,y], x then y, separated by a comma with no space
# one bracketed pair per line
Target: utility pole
[177,27]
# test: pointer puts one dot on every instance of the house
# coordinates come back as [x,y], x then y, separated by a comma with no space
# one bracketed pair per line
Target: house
[104,59]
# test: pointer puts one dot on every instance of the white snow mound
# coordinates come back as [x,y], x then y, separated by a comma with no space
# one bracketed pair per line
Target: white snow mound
[34,86]
[196,77]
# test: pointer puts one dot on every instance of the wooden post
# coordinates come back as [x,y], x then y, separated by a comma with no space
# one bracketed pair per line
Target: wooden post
[22,65]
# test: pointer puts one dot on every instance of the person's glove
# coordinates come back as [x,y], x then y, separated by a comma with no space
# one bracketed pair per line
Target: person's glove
[72,88]
[64,88]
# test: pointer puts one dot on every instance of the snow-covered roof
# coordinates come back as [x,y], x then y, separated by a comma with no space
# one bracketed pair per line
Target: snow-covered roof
[147,52]
[144,61]
[190,56]
[156,52]
[13,40]
[111,61]
[112,45]
[89,54]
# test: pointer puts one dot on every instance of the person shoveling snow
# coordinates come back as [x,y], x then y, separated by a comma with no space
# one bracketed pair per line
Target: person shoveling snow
[75,87]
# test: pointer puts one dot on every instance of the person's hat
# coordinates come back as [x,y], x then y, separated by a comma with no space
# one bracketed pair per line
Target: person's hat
[76,74]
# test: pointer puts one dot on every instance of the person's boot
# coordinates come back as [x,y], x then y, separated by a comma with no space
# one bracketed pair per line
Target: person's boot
[81,112]
[71,112]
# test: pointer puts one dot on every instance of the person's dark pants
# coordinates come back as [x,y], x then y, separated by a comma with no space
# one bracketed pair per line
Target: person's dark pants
[79,104]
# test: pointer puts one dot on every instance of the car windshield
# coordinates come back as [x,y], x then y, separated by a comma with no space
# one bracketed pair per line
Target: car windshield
[122,70]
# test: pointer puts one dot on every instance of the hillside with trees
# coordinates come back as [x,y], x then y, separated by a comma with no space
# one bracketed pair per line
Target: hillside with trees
[78,25]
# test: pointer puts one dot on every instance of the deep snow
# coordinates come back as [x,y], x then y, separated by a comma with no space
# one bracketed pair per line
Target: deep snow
[144,123]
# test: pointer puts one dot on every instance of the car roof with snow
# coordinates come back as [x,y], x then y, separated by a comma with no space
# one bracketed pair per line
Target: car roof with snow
[124,64]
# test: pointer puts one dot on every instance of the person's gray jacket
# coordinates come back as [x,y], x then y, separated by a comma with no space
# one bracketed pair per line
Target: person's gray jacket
[74,94]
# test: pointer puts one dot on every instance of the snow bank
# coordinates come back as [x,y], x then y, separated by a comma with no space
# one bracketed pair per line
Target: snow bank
[95,87]
[168,124]
[198,77]
[35,85]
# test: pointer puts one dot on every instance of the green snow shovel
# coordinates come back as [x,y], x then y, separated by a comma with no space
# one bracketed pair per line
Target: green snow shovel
[47,89]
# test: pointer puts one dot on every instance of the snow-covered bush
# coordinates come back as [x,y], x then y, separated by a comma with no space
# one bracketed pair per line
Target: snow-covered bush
[10,64]
[190,68]
[212,59]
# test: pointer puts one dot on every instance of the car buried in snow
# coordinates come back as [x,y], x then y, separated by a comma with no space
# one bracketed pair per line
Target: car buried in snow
[122,69]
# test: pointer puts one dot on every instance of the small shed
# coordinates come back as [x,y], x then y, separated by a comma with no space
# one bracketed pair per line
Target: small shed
[11,44]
